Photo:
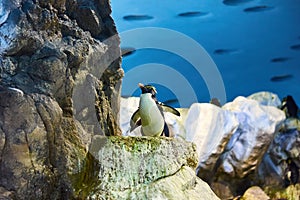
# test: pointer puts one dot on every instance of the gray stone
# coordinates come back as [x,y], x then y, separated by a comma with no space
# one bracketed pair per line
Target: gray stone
[60,80]
[257,127]
[273,168]
[210,128]
[266,98]
[147,168]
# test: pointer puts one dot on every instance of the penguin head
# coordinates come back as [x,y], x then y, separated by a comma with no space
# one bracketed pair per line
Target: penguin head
[148,89]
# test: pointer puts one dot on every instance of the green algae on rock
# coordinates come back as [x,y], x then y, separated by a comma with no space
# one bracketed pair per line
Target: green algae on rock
[147,168]
[292,192]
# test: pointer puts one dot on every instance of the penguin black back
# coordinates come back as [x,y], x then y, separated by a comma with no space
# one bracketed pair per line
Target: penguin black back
[292,172]
[290,105]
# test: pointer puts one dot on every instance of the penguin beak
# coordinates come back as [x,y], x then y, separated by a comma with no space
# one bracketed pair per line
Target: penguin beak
[141,85]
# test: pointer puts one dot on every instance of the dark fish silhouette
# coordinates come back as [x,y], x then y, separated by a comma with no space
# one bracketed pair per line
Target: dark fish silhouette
[225,51]
[258,8]
[295,47]
[281,77]
[193,14]
[280,59]
[235,2]
[137,17]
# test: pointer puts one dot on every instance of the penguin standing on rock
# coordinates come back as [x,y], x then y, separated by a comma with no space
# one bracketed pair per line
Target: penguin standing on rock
[150,113]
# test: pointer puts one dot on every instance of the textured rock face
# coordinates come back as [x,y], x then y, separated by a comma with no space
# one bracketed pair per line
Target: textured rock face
[210,127]
[255,133]
[60,81]
[148,168]
[37,144]
[66,50]
[258,124]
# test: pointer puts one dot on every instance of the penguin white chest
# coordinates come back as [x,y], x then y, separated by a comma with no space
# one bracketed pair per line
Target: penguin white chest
[152,119]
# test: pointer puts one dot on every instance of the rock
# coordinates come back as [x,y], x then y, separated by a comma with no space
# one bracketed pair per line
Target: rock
[147,168]
[50,51]
[222,189]
[60,85]
[255,193]
[4,194]
[266,99]
[176,124]
[257,127]
[127,107]
[274,167]
[210,128]
[290,193]
[37,147]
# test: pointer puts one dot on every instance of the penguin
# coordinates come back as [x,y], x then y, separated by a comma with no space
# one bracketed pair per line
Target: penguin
[291,173]
[290,107]
[150,115]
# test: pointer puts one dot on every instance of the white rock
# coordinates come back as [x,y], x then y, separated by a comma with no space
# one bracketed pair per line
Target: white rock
[266,98]
[147,168]
[176,123]
[210,128]
[257,125]
[127,107]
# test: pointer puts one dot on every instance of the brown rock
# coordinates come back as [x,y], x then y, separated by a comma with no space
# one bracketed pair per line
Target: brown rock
[255,193]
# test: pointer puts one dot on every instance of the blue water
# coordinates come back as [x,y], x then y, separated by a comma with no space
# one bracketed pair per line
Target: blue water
[254,45]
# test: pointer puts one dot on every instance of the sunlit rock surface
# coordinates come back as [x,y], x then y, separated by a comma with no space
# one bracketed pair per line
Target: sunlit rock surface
[257,127]
[255,193]
[147,168]
[210,128]
[127,107]
[266,98]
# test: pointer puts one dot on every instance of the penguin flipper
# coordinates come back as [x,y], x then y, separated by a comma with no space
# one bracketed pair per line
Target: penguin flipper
[170,109]
[135,120]
[166,130]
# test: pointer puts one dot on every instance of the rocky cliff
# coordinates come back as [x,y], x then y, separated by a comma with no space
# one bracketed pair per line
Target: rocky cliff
[60,80]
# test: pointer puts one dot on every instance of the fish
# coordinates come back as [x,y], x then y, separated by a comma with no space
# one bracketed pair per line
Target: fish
[137,17]
[225,51]
[235,2]
[193,14]
[258,8]
[281,77]
[280,59]
[295,47]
